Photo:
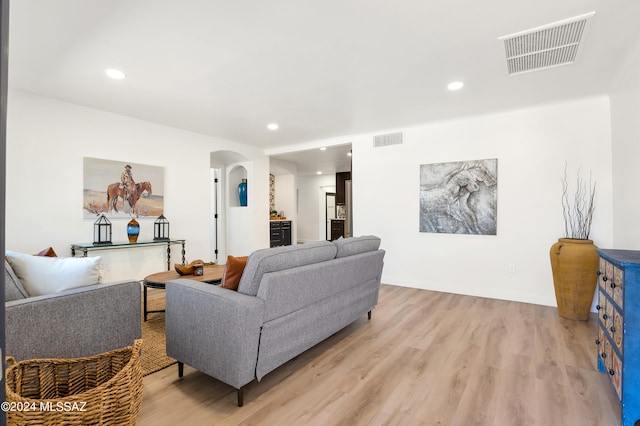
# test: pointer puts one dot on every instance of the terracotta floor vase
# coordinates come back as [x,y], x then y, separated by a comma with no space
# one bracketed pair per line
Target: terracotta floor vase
[574,264]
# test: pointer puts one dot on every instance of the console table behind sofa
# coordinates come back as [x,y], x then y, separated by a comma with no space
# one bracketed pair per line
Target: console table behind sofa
[87,247]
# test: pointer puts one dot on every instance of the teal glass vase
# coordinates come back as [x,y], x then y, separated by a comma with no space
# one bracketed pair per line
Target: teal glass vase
[242,193]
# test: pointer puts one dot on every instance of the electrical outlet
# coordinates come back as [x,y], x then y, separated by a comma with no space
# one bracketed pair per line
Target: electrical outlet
[511,268]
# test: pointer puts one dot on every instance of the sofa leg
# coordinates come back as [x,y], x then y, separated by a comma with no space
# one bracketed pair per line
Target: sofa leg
[369,314]
[180,368]
[241,397]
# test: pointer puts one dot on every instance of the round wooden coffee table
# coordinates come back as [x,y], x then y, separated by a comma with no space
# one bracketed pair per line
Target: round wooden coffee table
[212,274]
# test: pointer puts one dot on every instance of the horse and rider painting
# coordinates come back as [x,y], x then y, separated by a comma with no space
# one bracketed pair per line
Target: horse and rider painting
[110,188]
[459,197]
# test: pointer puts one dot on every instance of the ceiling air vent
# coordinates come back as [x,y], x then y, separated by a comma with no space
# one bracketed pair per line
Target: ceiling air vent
[544,47]
[388,139]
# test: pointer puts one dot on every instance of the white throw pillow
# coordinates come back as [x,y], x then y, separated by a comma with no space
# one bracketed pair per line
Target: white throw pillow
[45,275]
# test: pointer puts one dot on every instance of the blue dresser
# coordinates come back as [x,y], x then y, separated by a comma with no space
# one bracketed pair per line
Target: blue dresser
[619,327]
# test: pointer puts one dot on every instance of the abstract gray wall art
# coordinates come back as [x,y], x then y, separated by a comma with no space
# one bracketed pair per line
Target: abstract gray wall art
[459,197]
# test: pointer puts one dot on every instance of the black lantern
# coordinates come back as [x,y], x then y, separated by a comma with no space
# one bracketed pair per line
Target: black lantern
[102,230]
[161,229]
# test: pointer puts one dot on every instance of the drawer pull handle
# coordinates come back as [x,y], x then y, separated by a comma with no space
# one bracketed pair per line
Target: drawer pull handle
[604,355]
[598,307]
[598,273]
[613,285]
[597,341]
[605,316]
[605,278]
[611,372]
[613,329]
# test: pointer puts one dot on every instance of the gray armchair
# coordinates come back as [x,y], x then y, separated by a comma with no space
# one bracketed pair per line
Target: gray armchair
[73,323]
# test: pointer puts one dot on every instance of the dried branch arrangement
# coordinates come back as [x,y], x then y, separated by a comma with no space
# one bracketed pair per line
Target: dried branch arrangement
[577,218]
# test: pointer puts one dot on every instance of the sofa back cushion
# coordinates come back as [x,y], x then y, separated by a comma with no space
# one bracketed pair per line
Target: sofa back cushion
[13,288]
[291,290]
[279,258]
[356,245]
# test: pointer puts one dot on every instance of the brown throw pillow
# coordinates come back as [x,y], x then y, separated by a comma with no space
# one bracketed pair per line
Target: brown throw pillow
[233,272]
[48,252]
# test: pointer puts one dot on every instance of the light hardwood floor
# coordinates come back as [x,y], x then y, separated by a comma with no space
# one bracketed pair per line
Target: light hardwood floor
[425,358]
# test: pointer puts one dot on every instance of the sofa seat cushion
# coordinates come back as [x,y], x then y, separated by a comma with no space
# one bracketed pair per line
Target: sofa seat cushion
[274,259]
[356,245]
[46,275]
[13,288]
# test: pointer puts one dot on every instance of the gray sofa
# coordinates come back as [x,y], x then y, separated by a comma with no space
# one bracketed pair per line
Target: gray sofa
[288,300]
[72,323]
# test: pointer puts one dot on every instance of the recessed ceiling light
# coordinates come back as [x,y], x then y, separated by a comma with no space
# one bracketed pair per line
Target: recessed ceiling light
[318,173]
[324,148]
[115,74]
[455,85]
[272,126]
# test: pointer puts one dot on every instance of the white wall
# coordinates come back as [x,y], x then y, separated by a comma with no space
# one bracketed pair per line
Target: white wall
[239,224]
[46,142]
[259,175]
[531,146]
[285,195]
[285,201]
[311,205]
[625,130]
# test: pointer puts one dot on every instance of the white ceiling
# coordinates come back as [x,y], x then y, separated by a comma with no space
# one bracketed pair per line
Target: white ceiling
[330,160]
[319,69]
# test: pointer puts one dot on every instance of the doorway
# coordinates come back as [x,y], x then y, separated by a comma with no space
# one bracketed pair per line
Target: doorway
[330,208]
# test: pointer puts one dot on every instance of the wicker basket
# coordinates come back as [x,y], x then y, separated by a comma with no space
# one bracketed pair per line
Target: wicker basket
[104,389]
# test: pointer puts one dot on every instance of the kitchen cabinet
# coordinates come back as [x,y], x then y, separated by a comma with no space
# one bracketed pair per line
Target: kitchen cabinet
[280,233]
[619,327]
[337,228]
[341,178]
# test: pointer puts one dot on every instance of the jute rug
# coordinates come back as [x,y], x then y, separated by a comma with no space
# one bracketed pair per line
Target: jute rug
[153,356]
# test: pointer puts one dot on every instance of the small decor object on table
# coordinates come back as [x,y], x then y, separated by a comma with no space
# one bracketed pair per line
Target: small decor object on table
[133,230]
[102,230]
[190,268]
[574,260]
[161,229]
[198,270]
[242,192]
